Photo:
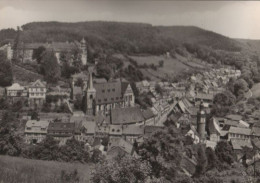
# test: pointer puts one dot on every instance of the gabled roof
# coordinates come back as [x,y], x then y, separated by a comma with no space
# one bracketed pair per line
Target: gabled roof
[60,127]
[126,115]
[110,92]
[149,130]
[213,126]
[238,144]
[148,114]
[15,86]
[89,127]
[236,130]
[38,84]
[234,117]
[121,143]
[36,126]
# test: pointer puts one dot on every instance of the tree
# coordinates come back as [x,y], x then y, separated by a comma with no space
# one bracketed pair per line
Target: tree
[212,158]
[6,73]
[9,143]
[164,151]
[240,87]
[202,161]
[35,115]
[158,89]
[38,53]
[161,63]
[79,82]
[225,152]
[50,66]
[223,103]
[124,169]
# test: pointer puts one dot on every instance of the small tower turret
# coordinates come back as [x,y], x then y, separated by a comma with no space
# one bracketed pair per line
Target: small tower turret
[90,95]
[201,121]
[83,48]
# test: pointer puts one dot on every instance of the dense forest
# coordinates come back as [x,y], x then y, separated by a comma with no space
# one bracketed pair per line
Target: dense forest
[122,37]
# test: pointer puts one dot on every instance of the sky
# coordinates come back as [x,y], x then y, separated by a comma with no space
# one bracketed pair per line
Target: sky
[235,19]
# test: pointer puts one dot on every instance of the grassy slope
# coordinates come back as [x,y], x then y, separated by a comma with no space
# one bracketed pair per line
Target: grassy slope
[24,76]
[172,66]
[30,171]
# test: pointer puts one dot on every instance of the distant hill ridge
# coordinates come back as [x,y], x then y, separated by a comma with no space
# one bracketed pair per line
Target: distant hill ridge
[122,36]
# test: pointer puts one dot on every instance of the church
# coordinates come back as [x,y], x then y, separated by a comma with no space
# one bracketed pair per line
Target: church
[104,96]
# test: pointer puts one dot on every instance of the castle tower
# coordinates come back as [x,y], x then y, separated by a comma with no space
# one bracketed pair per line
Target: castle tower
[90,95]
[83,48]
[201,121]
[9,52]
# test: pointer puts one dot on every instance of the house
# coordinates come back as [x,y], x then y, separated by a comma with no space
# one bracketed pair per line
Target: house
[37,94]
[16,90]
[238,145]
[192,132]
[214,130]
[238,133]
[61,131]
[127,116]
[132,132]
[35,131]
[120,146]
[149,117]
[115,131]
[86,131]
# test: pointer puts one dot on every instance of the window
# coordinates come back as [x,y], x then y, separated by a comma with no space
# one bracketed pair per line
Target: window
[108,90]
[113,89]
[99,100]
[105,99]
[42,89]
[113,130]
[117,98]
[118,130]
[103,91]
[112,99]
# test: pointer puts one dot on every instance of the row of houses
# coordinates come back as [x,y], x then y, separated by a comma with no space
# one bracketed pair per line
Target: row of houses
[35,93]
[122,121]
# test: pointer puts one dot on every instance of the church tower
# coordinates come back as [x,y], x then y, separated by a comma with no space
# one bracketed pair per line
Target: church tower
[201,121]
[83,48]
[90,95]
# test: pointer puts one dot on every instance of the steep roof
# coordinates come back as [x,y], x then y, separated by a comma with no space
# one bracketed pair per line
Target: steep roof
[126,146]
[36,126]
[234,117]
[38,84]
[89,127]
[148,114]
[107,93]
[58,128]
[149,130]
[56,46]
[238,144]
[126,115]
[236,130]
[15,86]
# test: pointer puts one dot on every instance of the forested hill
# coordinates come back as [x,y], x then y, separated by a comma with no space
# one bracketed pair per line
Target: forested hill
[123,37]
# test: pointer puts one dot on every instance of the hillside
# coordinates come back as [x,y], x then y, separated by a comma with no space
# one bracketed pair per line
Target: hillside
[22,170]
[126,37]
